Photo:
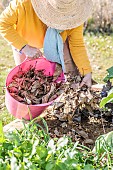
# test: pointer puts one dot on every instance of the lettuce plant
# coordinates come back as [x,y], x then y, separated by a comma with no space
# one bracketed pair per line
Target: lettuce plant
[108,91]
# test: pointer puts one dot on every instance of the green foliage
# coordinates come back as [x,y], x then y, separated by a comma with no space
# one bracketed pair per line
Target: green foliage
[104,143]
[104,147]
[6,64]
[109,98]
[33,149]
[1,133]
[109,75]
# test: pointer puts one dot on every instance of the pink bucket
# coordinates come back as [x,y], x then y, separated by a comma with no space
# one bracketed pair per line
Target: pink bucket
[20,110]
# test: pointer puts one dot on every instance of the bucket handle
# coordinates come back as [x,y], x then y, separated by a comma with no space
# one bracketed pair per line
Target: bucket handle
[30,59]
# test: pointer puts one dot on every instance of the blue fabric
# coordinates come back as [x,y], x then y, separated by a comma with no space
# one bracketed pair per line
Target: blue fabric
[53,46]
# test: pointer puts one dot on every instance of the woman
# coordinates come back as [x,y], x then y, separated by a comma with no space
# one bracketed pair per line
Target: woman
[55,25]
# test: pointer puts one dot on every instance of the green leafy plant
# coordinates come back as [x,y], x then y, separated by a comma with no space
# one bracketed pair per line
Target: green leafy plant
[104,147]
[33,149]
[109,97]
[1,133]
[109,75]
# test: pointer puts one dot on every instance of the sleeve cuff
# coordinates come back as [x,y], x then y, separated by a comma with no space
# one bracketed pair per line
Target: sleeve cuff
[20,51]
[85,71]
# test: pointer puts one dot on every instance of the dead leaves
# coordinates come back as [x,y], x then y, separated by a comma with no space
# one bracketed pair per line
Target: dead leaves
[75,101]
[33,87]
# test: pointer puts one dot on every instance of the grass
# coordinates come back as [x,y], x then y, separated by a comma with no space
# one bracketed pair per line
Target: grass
[6,63]
[100,54]
[100,48]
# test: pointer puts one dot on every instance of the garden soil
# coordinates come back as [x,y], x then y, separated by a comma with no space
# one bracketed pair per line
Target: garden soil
[86,131]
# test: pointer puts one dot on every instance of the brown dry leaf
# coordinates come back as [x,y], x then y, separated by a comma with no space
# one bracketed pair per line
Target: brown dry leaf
[83,134]
[89,95]
[58,71]
[67,108]
[18,98]
[47,96]
[56,132]
[70,118]
[28,101]
[82,98]
[58,105]
[89,108]
[53,97]
[37,101]
[75,86]
[64,124]
[89,141]
[62,117]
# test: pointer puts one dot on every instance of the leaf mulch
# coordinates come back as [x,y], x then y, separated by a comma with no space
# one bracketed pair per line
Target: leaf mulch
[75,113]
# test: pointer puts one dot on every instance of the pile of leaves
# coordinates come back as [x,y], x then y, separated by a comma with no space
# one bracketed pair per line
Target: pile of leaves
[78,114]
[76,100]
[33,87]
[75,105]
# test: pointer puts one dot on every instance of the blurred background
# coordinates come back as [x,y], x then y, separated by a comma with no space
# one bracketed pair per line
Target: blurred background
[101,19]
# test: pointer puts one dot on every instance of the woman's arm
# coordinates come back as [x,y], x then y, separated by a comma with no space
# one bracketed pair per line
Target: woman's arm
[78,50]
[8,21]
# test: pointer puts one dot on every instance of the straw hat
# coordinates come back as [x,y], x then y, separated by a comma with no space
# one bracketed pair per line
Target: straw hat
[62,14]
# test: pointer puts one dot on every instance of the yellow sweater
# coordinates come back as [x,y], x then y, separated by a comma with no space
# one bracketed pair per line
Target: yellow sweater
[19,25]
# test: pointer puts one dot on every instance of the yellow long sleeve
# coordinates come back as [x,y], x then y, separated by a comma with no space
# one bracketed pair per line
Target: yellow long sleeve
[19,25]
[78,50]
[8,20]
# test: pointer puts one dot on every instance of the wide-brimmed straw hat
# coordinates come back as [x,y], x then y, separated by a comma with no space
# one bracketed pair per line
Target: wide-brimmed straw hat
[62,14]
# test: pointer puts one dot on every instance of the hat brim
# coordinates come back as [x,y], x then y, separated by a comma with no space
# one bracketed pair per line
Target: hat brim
[62,20]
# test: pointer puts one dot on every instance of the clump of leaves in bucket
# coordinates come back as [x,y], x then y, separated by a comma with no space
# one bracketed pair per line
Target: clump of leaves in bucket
[33,149]
[33,87]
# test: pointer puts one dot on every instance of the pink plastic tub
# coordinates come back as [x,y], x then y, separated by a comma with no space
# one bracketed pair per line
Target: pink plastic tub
[20,110]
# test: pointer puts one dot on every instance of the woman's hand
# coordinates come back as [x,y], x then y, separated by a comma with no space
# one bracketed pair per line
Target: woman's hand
[58,71]
[31,52]
[87,80]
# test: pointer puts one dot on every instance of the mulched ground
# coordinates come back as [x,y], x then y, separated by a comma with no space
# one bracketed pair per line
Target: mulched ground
[83,121]
[76,113]
[86,131]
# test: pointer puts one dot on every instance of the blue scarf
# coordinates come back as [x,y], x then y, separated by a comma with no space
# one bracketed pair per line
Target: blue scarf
[53,46]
